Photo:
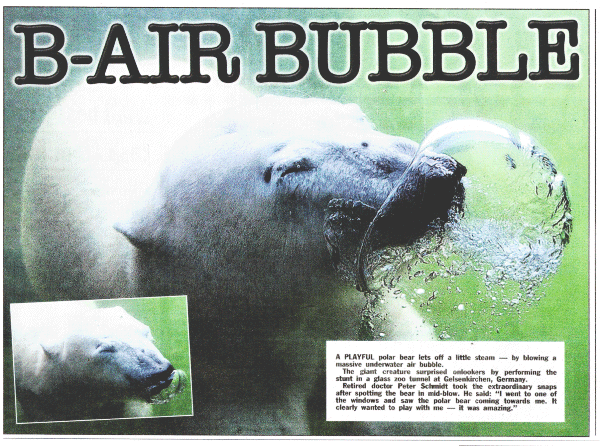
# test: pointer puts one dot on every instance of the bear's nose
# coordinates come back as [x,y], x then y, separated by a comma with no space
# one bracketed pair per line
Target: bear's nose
[422,198]
[159,380]
[440,165]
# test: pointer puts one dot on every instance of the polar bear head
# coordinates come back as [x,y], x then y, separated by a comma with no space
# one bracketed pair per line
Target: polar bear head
[82,359]
[258,183]
[109,351]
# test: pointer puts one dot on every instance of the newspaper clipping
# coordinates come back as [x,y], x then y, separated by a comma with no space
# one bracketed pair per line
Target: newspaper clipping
[332,222]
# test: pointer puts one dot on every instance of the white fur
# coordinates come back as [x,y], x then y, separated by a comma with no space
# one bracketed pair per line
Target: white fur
[56,347]
[263,295]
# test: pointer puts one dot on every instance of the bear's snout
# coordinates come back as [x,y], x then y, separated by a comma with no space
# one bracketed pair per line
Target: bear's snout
[427,195]
[160,380]
[152,379]
[423,198]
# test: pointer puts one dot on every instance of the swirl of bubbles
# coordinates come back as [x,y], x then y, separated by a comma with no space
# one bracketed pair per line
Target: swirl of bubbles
[504,243]
[178,382]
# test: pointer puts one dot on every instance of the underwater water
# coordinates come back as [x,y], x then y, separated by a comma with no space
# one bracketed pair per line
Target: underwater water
[492,276]
[508,235]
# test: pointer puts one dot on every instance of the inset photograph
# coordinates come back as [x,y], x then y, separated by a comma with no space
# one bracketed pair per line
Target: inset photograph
[101,359]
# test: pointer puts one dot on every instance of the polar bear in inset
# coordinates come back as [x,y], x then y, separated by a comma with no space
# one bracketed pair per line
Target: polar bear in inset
[73,361]
[255,204]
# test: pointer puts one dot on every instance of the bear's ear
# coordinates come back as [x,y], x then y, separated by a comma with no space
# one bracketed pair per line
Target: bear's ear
[146,229]
[52,350]
[136,235]
[145,224]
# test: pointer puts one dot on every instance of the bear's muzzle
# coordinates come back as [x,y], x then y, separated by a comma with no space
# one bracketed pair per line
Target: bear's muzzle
[425,196]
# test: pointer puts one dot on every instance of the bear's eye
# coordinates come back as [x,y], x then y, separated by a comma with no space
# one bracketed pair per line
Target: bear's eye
[106,348]
[302,165]
[365,144]
[267,174]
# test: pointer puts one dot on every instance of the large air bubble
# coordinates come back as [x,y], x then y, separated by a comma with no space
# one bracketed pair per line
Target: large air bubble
[493,257]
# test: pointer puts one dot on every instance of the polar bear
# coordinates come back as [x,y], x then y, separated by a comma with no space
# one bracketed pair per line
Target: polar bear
[256,203]
[73,361]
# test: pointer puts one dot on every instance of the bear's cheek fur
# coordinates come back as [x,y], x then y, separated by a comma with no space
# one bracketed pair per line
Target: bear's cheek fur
[82,364]
[235,232]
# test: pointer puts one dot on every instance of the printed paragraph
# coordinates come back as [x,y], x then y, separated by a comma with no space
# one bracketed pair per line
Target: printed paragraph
[445,381]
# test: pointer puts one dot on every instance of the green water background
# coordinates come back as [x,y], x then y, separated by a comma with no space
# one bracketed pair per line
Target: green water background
[167,318]
[555,113]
